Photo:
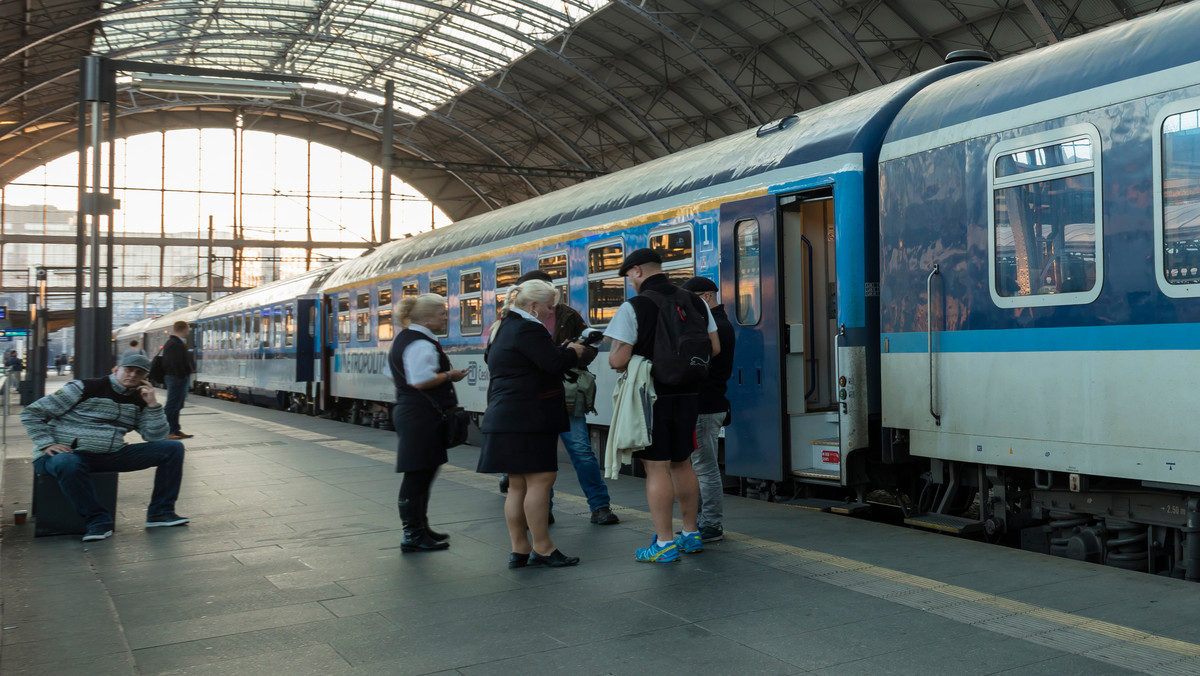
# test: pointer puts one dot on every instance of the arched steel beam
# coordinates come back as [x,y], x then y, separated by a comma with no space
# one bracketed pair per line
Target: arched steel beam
[844,36]
[81,22]
[745,102]
[306,113]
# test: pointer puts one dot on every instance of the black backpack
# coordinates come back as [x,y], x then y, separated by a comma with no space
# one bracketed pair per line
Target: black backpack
[681,344]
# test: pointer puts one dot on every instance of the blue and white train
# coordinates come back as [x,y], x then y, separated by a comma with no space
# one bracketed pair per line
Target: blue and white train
[975,289]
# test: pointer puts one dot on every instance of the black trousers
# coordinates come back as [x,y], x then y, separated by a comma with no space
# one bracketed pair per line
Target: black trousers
[416,483]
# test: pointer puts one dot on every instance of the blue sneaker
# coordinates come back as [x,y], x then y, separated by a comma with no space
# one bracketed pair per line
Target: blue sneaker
[690,544]
[655,554]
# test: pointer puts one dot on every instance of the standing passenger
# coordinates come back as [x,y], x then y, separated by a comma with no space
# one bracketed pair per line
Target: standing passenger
[565,324]
[714,414]
[526,412]
[178,368]
[669,473]
[423,379]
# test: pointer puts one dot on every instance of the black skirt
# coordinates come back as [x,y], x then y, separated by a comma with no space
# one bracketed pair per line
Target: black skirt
[420,443]
[519,453]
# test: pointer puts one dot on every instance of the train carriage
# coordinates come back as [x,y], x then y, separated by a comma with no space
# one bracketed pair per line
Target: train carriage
[1039,311]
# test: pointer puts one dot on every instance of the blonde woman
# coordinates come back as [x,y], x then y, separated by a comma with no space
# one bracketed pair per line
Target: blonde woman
[526,412]
[424,387]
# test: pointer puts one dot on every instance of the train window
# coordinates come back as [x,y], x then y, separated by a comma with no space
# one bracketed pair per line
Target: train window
[312,322]
[1044,240]
[363,302]
[606,289]
[507,275]
[277,327]
[386,330]
[438,285]
[343,319]
[385,296]
[1177,212]
[470,304]
[555,265]
[224,333]
[675,247]
[363,323]
[747,272]
[289,327]
[410,290]
[256,338]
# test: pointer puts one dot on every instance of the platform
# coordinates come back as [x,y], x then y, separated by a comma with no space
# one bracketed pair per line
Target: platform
[292,566]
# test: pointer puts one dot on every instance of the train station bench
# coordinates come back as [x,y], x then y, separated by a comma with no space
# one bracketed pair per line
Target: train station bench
[53,513]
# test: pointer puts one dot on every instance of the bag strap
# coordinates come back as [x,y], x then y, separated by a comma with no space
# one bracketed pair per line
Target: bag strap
[432,402]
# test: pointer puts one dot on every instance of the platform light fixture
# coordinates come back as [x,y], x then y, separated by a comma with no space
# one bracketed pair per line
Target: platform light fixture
[214,86]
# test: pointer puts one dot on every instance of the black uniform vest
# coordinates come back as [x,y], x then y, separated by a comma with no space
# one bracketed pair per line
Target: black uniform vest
[443,394]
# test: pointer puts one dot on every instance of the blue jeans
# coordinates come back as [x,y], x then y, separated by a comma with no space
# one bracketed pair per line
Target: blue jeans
[73,471]
[708,471]
[176,393]
[579,447]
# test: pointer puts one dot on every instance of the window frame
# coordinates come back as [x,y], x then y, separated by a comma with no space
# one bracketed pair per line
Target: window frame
[384,313]
[1160,275]
[562,284]
[1030,142]
[498,292]
[360,309]
[444,278]
[737,279]
[601,276]
[680,264]
[462,328]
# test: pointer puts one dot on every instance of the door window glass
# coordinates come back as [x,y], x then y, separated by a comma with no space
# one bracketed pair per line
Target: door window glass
[747,273]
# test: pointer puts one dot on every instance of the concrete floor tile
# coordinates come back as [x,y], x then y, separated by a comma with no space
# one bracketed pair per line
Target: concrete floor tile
[222,625]
[315,660]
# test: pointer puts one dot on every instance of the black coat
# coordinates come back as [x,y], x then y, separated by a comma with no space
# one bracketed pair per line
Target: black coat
[175,358]
[525,393]
[421,443]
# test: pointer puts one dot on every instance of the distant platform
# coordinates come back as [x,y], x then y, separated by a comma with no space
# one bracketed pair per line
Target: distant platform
[292,565]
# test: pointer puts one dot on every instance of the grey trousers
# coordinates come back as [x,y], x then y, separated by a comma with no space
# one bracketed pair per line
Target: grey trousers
[704,461]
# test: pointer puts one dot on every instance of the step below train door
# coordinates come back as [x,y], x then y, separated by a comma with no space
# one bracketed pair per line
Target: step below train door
[808,303]
[755,443]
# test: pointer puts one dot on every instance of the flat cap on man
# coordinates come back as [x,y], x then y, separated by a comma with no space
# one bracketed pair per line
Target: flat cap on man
[135,360]
[640,257]
[700,285]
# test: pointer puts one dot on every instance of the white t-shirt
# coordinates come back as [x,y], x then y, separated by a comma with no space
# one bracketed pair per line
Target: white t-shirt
[624,328]
[420,357]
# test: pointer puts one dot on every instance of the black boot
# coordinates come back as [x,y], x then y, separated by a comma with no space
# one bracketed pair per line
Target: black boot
[415,537]
[433,534]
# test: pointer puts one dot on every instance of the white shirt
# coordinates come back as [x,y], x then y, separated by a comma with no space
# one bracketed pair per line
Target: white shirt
[420,358]
[526,315]
[624,328]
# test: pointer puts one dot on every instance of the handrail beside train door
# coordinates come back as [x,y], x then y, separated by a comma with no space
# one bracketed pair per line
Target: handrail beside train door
[929,337]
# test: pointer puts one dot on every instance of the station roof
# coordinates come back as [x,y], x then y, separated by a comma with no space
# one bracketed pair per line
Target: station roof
[498,101]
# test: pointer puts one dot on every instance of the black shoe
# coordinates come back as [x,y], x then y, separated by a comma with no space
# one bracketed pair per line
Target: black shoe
[604,517]
[504,484]
[711,533]
[166,520]
[433,534]
[556,559]
[416,539]
[516,560]
[98,532]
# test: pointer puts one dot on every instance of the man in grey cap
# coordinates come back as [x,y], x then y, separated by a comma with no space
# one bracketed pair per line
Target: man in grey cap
[81,429]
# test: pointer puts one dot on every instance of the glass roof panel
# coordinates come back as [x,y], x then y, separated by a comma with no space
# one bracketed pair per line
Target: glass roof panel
[433,49]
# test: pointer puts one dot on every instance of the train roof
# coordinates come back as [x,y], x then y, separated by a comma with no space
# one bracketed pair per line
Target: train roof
[743,161]
[1076,75]
[275,292]
[187,314]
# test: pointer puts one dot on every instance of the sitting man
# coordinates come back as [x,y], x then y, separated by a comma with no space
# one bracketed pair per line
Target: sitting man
[81,429]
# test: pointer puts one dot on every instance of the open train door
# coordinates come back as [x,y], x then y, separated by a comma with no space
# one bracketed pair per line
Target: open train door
[755,445]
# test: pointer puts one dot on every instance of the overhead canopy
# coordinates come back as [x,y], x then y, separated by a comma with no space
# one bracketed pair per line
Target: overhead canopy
[500,100]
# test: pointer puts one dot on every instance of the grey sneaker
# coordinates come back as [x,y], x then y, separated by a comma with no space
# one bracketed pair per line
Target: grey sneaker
[165,520]
[101,532]
[604,517]
[711,533]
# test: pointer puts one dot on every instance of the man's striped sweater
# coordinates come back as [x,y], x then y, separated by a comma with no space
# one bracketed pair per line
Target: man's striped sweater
[92,416]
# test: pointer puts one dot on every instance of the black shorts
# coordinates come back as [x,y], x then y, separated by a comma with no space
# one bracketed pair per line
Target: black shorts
[674,436]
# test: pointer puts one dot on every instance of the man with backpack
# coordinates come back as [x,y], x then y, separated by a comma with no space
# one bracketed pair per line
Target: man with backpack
[673,329]
[81,429]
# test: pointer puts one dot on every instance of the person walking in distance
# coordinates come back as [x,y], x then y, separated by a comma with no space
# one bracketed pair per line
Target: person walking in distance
[424,388]
[714,414]
[177,367]
[669,473]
